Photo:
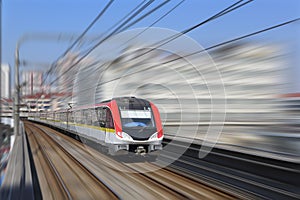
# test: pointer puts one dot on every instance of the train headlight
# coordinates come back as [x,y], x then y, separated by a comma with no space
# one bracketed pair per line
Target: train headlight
[154,136]
[126,136]
[120,134]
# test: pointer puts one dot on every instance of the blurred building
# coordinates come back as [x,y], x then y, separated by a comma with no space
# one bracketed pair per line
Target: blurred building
[31,82]
[254,75]
[36,102]
[5,81]
[290,105]
[44,102]
[7,107]
[237,83]
[241,81]
[66,71]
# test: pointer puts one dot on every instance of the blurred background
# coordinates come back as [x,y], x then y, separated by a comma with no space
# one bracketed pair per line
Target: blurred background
[230,78]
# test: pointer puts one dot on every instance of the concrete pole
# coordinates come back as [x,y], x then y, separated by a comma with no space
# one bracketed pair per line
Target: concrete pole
[17,64]
[17,93]
[0,59]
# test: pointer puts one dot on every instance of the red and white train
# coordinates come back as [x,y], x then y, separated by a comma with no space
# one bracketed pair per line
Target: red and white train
[122,125]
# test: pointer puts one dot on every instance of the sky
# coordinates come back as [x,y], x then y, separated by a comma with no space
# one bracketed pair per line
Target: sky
[69,17]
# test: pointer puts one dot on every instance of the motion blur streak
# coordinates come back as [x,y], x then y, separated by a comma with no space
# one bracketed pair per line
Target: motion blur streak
[253,74]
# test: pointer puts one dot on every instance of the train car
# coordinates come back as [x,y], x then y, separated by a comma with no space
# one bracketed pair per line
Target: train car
[122,125]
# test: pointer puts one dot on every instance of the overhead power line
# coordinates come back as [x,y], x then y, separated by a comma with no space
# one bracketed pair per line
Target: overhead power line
[104,39]
[175,36]
[228,9]
[156,21]
[53,65]
[79,38]
[219,14]
[206,49]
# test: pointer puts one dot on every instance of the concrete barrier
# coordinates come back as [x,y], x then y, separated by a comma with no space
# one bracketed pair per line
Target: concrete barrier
[18,182]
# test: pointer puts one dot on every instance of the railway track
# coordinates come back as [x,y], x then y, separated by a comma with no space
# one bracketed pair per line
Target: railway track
[248,175]
[60,175]
[100,176]
[189,188]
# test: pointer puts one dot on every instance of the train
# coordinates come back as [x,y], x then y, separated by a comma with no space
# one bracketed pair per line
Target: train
[122,125]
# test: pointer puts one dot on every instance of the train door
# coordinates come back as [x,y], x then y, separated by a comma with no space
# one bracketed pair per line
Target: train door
[109,124]
[101,114]
[106,123]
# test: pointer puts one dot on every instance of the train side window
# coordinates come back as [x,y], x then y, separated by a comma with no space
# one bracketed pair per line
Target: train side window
[64,116]
[78,116]
[109,119]
[94,117]
[71,116]
[84,117]
[101,114]
[89,117]
[82,120]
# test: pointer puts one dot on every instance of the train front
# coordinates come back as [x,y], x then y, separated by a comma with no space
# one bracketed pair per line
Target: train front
[142,131]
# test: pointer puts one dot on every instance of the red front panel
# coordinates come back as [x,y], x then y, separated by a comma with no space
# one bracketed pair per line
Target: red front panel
[157,120]
[116,116]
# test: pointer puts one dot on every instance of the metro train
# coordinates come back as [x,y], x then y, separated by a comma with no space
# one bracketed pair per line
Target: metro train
[120,125]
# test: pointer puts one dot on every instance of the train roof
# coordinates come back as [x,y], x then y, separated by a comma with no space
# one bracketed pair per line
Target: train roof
[132,102]
[123,102]
[129,98]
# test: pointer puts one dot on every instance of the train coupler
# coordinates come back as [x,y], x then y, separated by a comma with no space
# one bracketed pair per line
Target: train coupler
[140,150]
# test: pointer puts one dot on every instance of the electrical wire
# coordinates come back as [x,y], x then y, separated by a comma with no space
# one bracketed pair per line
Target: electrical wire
[79,38]
[104,39]
[156,21]
[206,49]
[120,26]
[228,9]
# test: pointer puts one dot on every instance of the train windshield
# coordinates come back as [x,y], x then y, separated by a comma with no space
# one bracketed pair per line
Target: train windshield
[137,118]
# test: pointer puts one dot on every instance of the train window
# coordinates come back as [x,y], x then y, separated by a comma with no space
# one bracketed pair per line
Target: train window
[87,117]
[83,117]
[71,116]
[109,119]
[95,121]
[49,116]
[101,114]
[77,116]
[64,116]
[135,118]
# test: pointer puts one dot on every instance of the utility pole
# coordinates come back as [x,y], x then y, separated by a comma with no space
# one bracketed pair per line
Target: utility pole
[17,65]
[17,93]
[0,60]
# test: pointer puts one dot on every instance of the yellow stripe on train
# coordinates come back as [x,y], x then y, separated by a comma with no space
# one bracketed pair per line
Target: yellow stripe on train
[85,125]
